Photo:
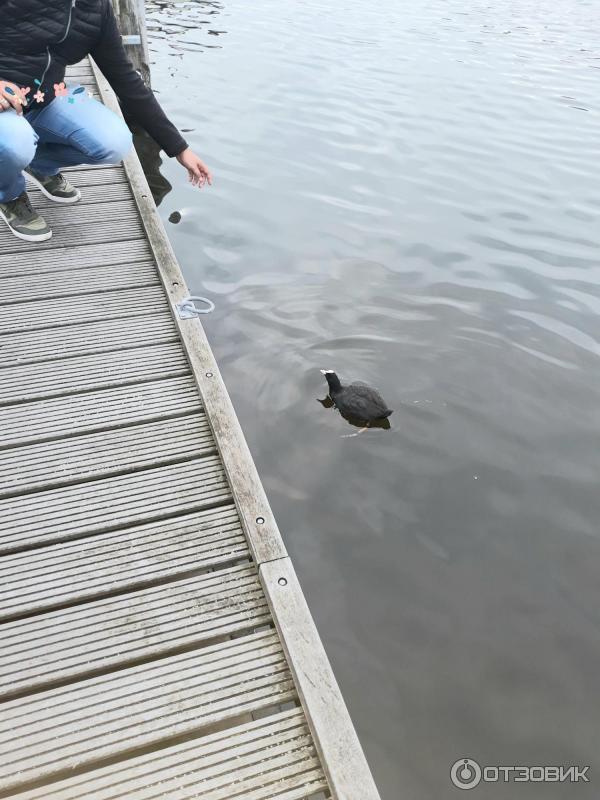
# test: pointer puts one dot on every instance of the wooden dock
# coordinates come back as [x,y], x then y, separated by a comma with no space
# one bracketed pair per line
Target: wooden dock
[154,639]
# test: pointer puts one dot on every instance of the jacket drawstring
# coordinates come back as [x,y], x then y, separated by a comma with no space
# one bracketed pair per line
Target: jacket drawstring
[73,2]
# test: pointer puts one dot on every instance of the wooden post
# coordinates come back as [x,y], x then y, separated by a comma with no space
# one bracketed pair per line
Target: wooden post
[131,15]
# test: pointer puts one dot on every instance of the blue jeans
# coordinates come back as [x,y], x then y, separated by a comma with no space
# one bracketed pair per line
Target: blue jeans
[58,135]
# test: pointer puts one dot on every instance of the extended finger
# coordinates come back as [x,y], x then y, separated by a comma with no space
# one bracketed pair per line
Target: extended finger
[206,176]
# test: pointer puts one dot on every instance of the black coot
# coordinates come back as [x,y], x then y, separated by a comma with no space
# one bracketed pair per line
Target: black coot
[357,399]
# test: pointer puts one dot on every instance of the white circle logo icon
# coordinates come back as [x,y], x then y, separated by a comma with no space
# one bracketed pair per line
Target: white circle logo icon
[465,773]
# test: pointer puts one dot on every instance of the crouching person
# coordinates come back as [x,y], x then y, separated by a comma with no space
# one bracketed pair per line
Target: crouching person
[46,126]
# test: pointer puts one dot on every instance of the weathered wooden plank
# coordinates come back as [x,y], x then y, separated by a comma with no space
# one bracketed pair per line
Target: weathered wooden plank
[37,467]
[342,757]
[73,512]
[65,234]
[62,730]
[79,282]
[73,644]
[93,167]
[94,255]
[83,215]
[38,315]
[81,68]
[85,569]
[80,78]
[255,512]
[99,371]
[90,195]
[269,759]
[96,176]
[28,347]
[106,409]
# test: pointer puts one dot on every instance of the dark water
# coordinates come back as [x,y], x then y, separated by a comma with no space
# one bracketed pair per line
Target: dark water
[409,193]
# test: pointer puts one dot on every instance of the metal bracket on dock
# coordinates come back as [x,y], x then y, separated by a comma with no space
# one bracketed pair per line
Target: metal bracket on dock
[187,308]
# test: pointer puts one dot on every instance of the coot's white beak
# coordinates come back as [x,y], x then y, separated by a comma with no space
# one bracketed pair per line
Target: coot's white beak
[326,371]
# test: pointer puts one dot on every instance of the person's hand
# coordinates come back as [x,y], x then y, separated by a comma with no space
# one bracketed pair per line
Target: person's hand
[11,97]
[198,172]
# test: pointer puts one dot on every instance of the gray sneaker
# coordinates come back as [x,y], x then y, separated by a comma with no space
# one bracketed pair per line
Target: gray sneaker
[23,221]
[56,187]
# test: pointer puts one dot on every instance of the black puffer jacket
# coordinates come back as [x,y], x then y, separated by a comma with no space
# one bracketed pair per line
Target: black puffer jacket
[39,38]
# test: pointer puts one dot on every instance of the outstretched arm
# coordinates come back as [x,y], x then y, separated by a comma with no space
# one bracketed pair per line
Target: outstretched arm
[139,101]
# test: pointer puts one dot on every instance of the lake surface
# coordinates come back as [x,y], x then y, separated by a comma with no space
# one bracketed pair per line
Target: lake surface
[410,193]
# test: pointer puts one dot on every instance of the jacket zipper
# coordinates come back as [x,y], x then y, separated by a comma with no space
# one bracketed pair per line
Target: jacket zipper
[60,41]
